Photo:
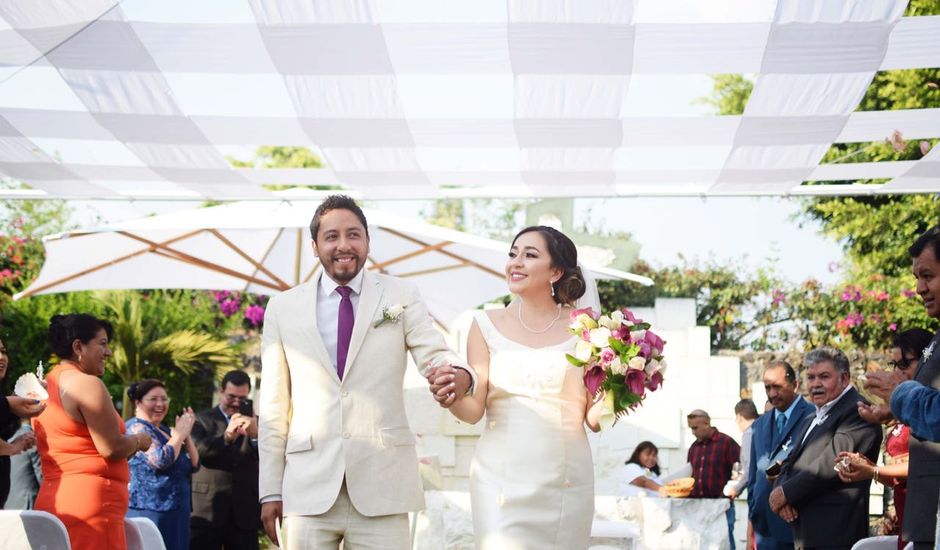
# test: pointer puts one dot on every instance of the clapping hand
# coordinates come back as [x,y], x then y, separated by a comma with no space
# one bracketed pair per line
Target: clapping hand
[184,423]
[874,414]
[882,383]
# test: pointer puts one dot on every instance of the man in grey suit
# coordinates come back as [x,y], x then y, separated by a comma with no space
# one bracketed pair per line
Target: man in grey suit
[824,512]
[773,437]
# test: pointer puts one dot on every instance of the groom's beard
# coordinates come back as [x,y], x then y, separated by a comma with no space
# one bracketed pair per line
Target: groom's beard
[345,272]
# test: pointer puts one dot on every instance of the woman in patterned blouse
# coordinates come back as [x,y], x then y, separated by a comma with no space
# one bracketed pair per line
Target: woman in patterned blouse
[160,486]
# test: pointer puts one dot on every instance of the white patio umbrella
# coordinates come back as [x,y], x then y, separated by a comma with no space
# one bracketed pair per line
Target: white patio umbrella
[264,247]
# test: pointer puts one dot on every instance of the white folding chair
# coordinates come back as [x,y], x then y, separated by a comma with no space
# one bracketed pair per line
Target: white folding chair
[887,542]
[149,534]
[29,529]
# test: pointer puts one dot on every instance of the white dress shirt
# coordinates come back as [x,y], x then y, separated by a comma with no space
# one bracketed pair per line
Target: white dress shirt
[822,413]
[328,309]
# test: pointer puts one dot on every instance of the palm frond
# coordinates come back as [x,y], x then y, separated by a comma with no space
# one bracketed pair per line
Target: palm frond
[187,349]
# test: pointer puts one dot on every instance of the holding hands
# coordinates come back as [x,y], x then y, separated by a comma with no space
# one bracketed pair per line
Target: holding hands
[448,384]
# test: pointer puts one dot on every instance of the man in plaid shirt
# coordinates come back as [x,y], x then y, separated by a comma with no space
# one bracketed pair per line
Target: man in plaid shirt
[712,457]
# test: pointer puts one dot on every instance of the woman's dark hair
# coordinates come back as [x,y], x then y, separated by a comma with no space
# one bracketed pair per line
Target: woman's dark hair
[912,341]
[564,255]
[65,329]
[8,429]
[336,202]
[635,457]
[137,390]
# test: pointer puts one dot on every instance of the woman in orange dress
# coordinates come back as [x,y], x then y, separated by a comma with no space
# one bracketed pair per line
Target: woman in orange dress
[81,438]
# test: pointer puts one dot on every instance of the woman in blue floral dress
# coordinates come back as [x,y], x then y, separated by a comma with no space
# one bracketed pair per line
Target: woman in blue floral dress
[160,476]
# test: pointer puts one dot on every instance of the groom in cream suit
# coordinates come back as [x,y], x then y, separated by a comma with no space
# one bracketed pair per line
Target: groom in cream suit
[337,458]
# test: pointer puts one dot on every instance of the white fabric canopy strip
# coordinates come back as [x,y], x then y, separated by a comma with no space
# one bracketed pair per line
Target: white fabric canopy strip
[441,99]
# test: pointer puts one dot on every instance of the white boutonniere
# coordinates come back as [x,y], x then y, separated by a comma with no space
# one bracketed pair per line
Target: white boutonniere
[390,313]
[929,350]
[786,444]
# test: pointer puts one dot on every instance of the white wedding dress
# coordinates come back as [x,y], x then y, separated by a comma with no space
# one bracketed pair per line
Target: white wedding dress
[532,478]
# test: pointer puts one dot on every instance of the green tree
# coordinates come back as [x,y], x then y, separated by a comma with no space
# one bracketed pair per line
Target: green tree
[145,344]
[25,222]
[493,218]
[875,298]
[724,295]
[273,156]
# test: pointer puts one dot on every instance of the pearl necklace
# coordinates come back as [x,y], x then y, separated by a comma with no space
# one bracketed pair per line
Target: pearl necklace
[533,331]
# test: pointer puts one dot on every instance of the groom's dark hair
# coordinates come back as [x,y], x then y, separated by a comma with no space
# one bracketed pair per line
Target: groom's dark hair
[930,238]
[336,202]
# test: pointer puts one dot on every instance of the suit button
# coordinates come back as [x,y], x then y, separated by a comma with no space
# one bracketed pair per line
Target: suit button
[346,435]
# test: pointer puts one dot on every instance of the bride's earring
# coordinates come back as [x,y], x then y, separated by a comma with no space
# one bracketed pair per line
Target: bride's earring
[551,285]
[79,357]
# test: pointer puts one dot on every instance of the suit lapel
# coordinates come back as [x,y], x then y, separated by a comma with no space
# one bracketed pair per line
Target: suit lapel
[365,312]
[834,417]
[307,315]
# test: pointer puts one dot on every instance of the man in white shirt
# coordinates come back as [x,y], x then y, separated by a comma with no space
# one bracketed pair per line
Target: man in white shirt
[808,493]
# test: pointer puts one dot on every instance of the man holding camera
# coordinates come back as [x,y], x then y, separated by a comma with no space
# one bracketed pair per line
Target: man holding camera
[226,512]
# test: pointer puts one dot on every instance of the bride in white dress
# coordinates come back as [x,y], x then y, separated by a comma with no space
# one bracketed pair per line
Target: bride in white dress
[531,480]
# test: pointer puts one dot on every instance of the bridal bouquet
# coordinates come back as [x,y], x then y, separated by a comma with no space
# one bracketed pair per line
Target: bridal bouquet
[621,357]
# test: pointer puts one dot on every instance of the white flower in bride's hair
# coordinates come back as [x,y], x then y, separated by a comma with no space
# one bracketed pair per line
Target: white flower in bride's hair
[583,350]
[600,337]
[390,313]
[638,363]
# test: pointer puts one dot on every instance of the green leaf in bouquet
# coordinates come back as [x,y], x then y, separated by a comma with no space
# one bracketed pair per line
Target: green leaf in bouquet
[626,399]
[640,326]
[618,346]
[629,352]
[574,360]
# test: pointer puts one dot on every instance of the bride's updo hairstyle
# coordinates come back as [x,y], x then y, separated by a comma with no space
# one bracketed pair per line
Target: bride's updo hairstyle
[564,255]
[65,329]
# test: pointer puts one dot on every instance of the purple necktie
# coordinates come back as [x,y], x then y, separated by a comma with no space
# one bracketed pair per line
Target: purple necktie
[344,327]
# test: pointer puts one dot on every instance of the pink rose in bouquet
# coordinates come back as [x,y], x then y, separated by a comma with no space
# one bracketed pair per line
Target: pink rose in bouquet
[622,358]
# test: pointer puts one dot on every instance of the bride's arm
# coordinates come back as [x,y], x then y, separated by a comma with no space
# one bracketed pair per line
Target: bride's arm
[470,408]
[592,411]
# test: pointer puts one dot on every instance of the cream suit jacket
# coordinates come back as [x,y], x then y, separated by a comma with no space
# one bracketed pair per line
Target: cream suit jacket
[315,429]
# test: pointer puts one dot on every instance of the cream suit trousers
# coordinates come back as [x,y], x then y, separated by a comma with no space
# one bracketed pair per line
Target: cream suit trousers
[342,522]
